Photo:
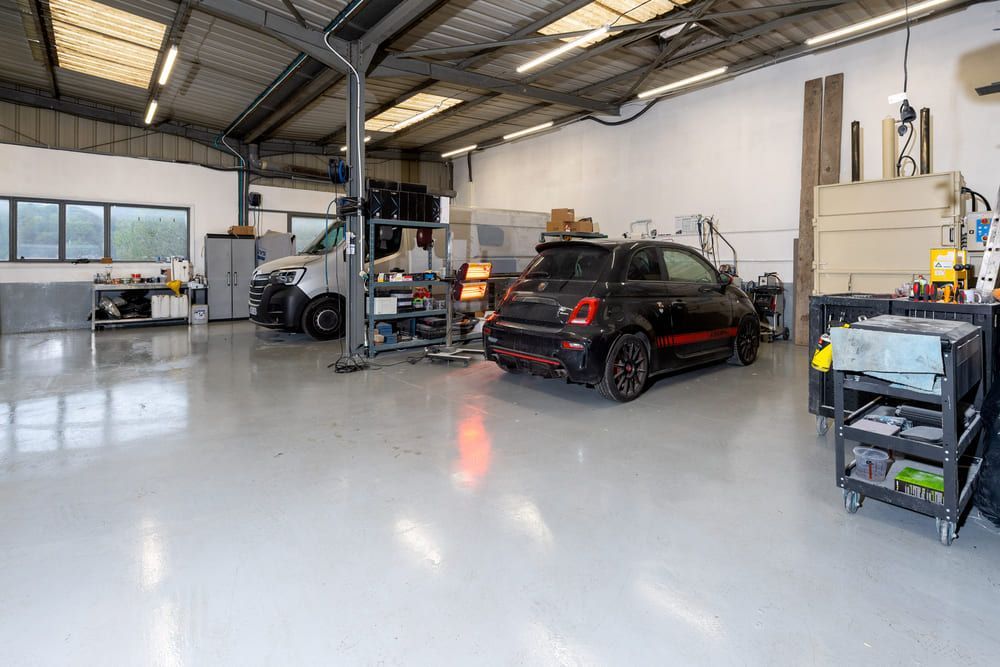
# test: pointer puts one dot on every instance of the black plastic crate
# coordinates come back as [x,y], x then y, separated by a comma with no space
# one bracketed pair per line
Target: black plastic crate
[834,310]
[983,315]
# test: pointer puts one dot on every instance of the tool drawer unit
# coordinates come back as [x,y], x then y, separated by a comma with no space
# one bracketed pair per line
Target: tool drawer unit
[957,457]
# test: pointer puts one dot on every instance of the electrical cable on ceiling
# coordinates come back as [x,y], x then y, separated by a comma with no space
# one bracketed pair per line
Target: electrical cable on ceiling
[614,123]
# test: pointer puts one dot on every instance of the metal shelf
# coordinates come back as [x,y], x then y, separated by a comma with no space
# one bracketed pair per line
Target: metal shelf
[416,342]
[138,320]
[111,287]
[408,283]
[408,223]
[408,315]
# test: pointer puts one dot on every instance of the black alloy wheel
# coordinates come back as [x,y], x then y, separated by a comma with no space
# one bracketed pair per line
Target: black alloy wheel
[626,370]
[747,342]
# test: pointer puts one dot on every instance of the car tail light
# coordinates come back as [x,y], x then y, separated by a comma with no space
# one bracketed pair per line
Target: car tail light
[569,345]
[585,311]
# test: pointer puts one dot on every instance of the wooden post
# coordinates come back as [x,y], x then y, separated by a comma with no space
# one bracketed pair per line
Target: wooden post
[833,125]
[811,128]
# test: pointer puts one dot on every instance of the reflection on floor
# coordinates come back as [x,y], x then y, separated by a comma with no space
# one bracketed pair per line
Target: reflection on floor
[216,495]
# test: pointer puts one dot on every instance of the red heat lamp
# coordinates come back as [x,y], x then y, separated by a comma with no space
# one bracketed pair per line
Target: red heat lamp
[470,281]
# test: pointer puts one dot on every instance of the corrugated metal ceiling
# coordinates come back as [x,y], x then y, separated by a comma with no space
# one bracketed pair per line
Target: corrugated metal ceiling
[223,67]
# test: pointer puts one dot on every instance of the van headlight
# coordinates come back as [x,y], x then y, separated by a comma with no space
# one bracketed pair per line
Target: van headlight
[287,276]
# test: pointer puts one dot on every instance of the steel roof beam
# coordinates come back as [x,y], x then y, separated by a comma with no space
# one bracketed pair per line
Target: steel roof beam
[297,102]
[731,40]
[46,44]
[173,36]
[393,67]
[488,124]
[447,113]
[532,27]
[689,14]
[331,137]
[307,40]
[656,23]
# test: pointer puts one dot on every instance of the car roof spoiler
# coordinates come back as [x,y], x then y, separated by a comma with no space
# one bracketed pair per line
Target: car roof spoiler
[562,244]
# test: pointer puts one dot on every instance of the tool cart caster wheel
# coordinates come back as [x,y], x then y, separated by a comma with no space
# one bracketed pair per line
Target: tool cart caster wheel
[946,531]
[822,425]
[852,501]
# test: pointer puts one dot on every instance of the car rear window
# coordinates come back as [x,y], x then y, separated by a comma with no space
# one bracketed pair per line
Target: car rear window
[571,262]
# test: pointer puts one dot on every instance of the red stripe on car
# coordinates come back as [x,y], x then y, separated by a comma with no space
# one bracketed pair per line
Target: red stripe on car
[695,337]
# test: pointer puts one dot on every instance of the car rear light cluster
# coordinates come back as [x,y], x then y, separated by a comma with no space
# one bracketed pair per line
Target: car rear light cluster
[570,345]
[585,311]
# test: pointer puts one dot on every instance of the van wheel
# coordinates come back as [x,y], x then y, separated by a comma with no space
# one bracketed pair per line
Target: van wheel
[626,369]
[323,319]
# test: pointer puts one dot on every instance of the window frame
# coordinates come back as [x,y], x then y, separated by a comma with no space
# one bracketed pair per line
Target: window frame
[12,202]
[712,271]
[659,263]
[314,216]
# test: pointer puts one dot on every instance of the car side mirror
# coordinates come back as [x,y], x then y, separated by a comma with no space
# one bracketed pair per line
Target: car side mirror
[725,279]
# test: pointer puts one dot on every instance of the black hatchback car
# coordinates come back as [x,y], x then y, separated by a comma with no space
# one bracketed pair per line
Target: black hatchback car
[612,313]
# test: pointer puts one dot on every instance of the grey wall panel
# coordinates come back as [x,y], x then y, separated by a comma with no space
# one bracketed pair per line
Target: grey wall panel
[28,307]
[30,126]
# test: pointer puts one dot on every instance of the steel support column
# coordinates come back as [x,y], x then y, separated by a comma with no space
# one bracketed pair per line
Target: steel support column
[355,330]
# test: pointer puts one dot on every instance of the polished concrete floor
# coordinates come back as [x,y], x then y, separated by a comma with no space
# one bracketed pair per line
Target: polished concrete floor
[219,497]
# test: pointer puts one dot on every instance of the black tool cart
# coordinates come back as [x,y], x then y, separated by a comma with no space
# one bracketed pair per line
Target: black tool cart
[834,310]
[949,411]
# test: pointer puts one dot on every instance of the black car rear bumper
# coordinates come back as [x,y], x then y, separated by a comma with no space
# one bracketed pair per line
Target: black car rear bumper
[554,353]
[277,306]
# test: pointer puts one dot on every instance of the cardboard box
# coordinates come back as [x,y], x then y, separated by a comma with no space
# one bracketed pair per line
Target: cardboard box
[562,215]
[385,305]
[581,225]
[921,484]
[242,230]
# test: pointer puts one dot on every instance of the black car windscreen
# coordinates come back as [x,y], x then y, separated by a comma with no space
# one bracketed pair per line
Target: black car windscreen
[569,262]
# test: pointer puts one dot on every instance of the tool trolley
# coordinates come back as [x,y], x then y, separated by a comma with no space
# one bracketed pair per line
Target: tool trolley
[958,455]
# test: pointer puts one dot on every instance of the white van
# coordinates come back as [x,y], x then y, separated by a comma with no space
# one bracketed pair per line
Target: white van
[306,292]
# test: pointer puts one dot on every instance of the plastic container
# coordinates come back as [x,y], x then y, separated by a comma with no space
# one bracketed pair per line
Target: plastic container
[871,464]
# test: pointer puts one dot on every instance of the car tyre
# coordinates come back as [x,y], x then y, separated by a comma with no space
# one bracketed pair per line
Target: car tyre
[323,319]
[746,343]
[626,369]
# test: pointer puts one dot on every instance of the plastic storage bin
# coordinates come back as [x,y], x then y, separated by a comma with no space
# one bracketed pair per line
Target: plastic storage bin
[871,464]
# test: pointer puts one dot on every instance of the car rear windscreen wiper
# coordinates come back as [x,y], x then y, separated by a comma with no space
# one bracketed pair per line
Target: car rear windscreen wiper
[537,274]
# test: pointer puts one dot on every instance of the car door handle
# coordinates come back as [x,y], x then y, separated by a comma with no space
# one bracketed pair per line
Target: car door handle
[678,305]
[705,289]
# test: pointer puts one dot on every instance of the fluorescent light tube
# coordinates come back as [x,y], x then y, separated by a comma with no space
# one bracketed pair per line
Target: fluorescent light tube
[414,119]
[459,151]
[568,46]
[529,130]
[673,30]
[168,65]
[150,112]
[684,82]
[874,22]
[343,149]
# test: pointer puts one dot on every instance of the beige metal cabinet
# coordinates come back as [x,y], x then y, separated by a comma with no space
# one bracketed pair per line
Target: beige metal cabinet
[872,236]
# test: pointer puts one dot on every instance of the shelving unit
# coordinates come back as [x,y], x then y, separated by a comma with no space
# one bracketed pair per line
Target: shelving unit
[101,288]
[957,458]
[374,287]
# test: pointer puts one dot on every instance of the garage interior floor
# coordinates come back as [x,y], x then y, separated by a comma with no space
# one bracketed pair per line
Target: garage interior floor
[216,495]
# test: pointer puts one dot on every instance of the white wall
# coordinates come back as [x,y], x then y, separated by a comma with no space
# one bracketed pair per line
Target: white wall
[210,194]
[734,149]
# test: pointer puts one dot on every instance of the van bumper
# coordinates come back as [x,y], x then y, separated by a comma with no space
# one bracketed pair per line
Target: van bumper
[277,306]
